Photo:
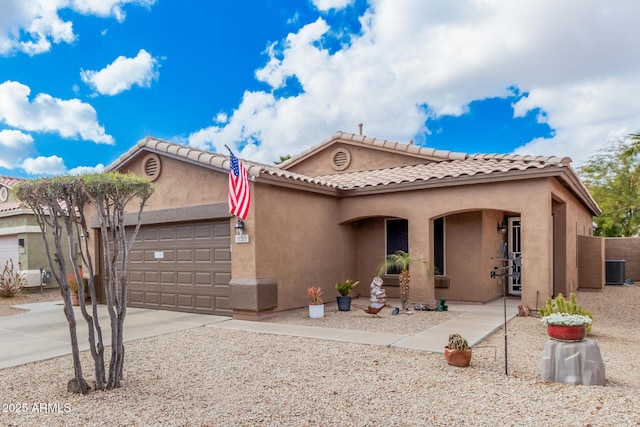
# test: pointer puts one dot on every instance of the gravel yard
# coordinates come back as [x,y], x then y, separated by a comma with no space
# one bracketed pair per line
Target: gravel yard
[215,377]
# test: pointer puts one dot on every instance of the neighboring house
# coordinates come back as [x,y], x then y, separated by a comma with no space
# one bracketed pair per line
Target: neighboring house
[20,237]
[334,212]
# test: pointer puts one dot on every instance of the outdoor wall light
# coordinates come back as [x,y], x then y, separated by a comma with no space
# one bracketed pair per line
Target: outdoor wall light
[239,227]
[502,229]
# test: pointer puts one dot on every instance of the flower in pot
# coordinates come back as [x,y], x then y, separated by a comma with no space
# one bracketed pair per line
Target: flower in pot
[457,352]
[566,327]
[345,288]
[566,320]
[316,306]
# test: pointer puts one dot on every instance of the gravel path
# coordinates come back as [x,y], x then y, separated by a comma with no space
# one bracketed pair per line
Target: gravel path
[216,377]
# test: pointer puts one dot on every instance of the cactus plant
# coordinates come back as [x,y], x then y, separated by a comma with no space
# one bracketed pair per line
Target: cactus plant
[457,342]
[561,305]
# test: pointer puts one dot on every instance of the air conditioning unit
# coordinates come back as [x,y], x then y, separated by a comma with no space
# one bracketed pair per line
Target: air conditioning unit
[614,272]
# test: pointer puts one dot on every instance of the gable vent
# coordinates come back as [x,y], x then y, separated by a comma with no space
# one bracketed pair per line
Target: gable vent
[152,166]
[340,159]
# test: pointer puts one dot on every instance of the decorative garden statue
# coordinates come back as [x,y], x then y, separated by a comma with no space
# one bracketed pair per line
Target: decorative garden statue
[378,295]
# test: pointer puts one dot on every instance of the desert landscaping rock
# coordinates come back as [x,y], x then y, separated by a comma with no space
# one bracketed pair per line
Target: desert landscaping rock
[216,377]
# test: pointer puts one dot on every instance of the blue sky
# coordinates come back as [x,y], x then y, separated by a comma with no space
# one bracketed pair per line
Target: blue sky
[82,81]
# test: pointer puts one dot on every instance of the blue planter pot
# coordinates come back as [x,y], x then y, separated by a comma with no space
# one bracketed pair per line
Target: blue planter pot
[344,303]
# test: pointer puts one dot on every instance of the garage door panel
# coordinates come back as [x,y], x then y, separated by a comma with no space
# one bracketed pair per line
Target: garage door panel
[204,231]
[185,301]
[204,279]
[167,234]
[184,255]
[204,302]
[193,274]
[222,255]
[223,303]
[183,233]
[136,297]
[149,235]
[152,298]
[168,299]
[168,278]
[150,277]
[136,256]
[222,278]
[185,278]
[204,255]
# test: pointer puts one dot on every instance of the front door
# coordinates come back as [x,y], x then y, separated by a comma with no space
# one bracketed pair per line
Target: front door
[514,249]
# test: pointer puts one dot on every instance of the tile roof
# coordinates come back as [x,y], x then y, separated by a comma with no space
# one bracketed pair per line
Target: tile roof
[387,145]
[10,207]
[9,181]
[216,160]
[471,166]
[451,167]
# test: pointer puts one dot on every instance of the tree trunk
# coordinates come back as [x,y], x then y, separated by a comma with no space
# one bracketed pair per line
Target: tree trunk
[404,280]
[81,384]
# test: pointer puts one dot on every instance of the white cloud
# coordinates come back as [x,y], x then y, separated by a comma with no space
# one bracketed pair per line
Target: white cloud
[31,26]
[13,146]
[106,8]
[123,73]
[52,165]
[325,5]
[80,170]
[576,60]
[70,118]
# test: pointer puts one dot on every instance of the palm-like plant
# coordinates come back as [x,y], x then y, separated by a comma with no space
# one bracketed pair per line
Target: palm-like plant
[399,260]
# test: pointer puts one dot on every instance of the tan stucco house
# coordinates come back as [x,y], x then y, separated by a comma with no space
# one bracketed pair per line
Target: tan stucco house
[334,211]
[20,236]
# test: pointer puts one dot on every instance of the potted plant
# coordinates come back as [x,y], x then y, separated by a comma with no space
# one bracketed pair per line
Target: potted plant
[73,287]
[566,320]
[566,327]
[345,288]
[457,352]
[316,306]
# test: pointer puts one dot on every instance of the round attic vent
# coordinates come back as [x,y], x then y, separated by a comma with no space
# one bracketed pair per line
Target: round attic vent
[340,159]
[152,166]
[4,194]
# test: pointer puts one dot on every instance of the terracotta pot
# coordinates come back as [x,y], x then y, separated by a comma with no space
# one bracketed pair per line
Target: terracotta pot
[74,299]
[460,358]
[567,333]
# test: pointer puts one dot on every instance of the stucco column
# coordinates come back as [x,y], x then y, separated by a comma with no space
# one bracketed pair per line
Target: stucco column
[420,248]
[536,254]
[251,297]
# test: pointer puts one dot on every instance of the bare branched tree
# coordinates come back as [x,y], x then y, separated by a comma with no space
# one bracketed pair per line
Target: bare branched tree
[59,206]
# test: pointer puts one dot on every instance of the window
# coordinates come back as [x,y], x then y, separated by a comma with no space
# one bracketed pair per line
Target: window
[397,238]
[438,245]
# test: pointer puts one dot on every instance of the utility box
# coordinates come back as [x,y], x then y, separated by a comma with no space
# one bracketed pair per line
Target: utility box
[614,272]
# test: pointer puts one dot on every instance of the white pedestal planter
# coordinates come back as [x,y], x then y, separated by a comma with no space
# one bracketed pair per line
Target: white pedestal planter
[316,311]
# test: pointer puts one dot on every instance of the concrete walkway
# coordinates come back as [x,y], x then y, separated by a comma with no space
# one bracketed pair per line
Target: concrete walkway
[43,332]
[476,322]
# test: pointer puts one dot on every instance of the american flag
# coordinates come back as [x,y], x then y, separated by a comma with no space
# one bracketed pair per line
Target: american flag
[239,195]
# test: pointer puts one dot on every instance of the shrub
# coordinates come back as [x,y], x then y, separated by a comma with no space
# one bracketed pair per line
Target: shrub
[11,281]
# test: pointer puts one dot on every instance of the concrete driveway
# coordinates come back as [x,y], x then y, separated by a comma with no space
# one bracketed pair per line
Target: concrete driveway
[43,332]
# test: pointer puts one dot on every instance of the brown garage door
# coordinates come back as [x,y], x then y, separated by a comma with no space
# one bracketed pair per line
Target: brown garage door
[183,267]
